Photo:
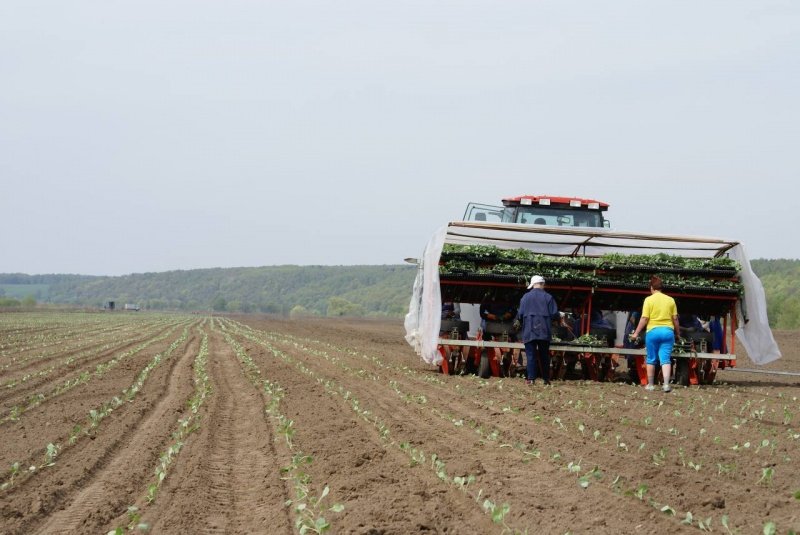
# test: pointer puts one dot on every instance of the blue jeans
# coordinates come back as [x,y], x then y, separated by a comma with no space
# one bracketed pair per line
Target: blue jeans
[659,342]
[538,353]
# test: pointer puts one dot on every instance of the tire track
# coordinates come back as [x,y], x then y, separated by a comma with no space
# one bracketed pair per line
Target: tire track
[232,457]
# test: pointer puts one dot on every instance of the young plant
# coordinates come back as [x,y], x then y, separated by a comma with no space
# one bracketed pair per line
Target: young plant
[766,476]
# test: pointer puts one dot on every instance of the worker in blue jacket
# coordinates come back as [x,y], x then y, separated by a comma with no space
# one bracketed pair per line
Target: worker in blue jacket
[537,311]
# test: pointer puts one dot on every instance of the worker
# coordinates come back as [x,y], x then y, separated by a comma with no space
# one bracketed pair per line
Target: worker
[451,310]
[599,321]
[627,343]
[496,312]
[537,311]
[718,344]
[660,316]
[503,313]
[690,323]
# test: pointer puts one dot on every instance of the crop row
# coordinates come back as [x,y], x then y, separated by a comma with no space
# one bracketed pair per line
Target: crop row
[74,357]
[96,416]
[186,425]
[417,456]
[580,431]
[308,508]
[15,412]
[56,330]
[766,419]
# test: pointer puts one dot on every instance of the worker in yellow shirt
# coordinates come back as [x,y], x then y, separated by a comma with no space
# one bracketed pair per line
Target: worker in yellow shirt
[660,316]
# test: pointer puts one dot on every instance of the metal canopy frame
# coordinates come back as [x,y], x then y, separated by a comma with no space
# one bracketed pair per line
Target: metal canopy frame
[570,241]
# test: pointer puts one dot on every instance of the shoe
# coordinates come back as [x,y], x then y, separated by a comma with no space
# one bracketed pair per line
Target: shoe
[547,383]
[530,382]
[650,388]
[666,388]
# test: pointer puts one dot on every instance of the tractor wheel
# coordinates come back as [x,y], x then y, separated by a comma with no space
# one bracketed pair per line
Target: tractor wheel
[682,372]
[485,369]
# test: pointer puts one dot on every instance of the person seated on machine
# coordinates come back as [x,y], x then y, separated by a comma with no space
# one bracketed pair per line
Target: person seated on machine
[496,312]
[451,318]
[451,311]
[690,322]
[599,322]
[505,313]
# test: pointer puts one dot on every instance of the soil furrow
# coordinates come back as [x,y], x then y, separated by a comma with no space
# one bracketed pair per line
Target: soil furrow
[527,486]
[231,458]
[115,484]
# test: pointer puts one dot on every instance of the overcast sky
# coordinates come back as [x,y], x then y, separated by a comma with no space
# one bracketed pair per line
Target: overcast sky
[152,136]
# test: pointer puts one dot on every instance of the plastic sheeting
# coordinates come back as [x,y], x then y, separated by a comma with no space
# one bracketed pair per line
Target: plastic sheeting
[424,314]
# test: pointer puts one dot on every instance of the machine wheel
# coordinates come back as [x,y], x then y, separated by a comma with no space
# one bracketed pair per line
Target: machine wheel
[706,372]
[507,369]
[682,372]
[603,369]
[455,362]
[485,369]
[587,363]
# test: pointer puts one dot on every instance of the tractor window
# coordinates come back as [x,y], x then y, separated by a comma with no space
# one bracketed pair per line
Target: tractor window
[483,212]
[558,217]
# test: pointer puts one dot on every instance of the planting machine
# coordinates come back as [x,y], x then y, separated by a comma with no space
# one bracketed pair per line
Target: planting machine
[594,273]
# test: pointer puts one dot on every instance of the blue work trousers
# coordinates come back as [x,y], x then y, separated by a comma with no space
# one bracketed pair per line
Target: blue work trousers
[538,353]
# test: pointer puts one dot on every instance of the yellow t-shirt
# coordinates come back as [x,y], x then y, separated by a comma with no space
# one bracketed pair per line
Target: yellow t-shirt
[659,309]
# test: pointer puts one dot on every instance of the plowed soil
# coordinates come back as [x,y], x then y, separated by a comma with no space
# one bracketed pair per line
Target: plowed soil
[338,425]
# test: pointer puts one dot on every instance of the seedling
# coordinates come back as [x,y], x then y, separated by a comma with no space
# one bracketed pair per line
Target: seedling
[724,522]
[50,454]
[497,512]
[766,476]
[705,525]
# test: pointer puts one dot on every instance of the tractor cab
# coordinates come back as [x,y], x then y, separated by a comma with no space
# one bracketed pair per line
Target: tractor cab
[541,210]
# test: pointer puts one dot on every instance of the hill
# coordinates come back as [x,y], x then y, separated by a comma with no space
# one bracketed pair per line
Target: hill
[322,290]
[781,280]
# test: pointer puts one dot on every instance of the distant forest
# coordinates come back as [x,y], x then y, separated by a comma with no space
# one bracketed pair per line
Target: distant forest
[297,290]
[317,290]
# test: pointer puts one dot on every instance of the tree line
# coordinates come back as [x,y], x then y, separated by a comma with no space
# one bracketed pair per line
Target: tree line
[298,290]
[314,290]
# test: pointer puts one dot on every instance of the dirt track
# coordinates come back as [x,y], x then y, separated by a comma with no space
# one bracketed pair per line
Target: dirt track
[293,408]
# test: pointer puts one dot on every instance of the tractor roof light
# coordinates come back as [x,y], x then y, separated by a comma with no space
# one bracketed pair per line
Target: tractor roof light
[544,202]
[525,201]
[575,202]
[594,206]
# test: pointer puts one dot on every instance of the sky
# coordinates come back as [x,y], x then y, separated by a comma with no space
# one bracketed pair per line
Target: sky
[151,136]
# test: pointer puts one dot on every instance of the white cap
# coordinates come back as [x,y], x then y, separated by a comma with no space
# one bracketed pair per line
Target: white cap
[536,279]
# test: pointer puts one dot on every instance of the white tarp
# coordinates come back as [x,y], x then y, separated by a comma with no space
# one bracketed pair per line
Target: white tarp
[424,314]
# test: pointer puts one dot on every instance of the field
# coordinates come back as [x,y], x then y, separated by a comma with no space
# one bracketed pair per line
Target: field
[249,424]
